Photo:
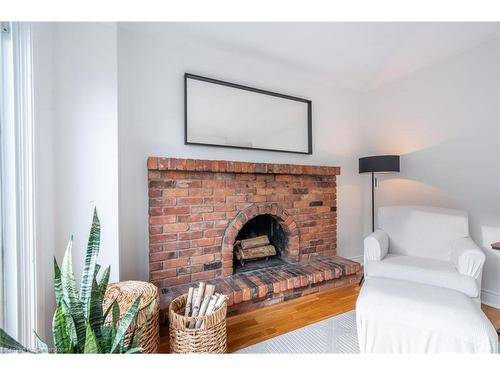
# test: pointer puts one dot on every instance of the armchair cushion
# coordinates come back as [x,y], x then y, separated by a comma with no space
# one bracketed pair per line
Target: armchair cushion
[422,270]
[468,258]
[376,245]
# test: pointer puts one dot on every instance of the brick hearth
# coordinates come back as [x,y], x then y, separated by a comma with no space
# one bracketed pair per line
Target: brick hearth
[252,289]
[197,207]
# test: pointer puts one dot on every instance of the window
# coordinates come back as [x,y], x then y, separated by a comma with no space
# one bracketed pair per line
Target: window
[17,271]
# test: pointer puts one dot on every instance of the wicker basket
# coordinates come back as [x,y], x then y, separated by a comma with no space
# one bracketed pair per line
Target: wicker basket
[210,338]
[125,293]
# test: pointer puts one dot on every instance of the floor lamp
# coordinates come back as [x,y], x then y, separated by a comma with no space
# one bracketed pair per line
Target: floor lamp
[378,164]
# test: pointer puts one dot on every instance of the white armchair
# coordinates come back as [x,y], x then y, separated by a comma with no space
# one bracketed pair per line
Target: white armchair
[429,245]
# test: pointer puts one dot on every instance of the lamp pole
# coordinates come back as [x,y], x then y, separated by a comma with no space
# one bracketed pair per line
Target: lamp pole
[373,202]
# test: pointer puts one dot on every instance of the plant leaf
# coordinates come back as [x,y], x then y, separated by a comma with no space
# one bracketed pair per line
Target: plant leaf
[96,317]
[90,264]
[97,269]
[151,308]
[108,333]
[57,282]
[116,313]
[8,342]
[109,309]
[41,345]
[134,350]
[103,284]
[90,341]
[125,323]
[70,326]
[62,340]
[135,340]
[70,296]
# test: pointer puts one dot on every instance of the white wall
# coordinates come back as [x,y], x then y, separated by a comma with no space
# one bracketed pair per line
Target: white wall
[444,121]
[77,147]
[150,77]
[86,138]
[44,170]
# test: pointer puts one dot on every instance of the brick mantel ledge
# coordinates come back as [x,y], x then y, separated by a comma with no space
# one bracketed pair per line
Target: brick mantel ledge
[223,166]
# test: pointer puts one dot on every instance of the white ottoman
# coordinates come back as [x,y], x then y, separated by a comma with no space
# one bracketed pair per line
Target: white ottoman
[395,316]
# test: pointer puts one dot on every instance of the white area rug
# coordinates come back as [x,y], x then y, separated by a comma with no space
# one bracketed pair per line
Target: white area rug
[334,335]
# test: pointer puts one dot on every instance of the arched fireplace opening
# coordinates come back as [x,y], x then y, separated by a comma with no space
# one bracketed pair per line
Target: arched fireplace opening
[260,243]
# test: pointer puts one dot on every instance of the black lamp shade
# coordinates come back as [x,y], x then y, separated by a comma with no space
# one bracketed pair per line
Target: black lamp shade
[380,163]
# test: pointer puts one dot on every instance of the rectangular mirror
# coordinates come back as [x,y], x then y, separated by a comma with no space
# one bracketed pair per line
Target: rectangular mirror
[219,113]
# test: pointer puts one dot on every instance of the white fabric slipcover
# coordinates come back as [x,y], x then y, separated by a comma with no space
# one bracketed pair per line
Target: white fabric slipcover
[376,246]
[467,258]
[425,244]
[420,231]
[423,270]
[395,316]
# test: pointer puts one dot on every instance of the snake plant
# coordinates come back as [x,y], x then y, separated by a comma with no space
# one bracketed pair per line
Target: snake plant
[80,324]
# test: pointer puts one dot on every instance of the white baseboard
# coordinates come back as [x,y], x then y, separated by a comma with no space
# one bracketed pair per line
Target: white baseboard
[490,298]
[358,258]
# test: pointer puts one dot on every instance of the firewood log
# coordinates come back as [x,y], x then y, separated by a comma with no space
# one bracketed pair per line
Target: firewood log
[211,304]
[238,252]
[215,303]
[189,302]
[193,299]
[254,242]
[256,252]
[209,291]
[220,301]
[197,303]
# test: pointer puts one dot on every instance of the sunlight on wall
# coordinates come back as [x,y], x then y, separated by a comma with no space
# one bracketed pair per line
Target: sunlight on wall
[399,191]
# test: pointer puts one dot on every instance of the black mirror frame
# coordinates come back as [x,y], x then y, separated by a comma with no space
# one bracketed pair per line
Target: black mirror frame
[252,89]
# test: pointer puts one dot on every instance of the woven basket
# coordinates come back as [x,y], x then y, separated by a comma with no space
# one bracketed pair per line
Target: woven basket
[210,338]
[125,293]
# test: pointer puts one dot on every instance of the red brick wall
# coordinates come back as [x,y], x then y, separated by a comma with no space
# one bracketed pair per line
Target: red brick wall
[196,208]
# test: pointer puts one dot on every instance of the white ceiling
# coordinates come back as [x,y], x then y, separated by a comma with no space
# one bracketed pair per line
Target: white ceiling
[359,56]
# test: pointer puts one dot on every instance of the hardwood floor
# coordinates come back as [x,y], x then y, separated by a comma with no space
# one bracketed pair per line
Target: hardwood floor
[255,326]
[493,315]
[259,325]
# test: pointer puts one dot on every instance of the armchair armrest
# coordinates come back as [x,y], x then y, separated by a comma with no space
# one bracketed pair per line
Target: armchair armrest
[468,258]
[376,246]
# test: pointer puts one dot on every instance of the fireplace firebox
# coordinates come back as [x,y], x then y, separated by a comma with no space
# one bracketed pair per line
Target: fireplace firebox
[267,228]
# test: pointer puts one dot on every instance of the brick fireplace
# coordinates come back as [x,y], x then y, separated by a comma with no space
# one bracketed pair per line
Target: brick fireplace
[197,209]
